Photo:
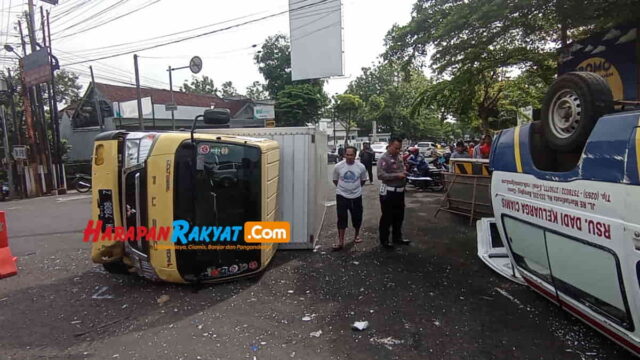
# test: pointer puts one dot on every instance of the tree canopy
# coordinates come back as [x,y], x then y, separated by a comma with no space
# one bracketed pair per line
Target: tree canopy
[491,58]
[348,110]
[204,86]
[228,90]
[256,91]
[298,105]
[274,63]
[388,92]
[67,87]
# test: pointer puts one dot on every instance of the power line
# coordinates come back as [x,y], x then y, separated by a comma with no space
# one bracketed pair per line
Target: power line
[123,74]
[112,70]
[117,17]
[167,35]
[96,15]
[69,9]
[203,34]
[133,43]
[69,19]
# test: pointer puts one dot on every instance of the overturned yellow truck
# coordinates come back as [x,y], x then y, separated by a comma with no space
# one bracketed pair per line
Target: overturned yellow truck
[155,185]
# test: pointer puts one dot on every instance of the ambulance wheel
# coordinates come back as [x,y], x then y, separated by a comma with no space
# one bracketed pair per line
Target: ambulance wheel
[572,106]
[116,267]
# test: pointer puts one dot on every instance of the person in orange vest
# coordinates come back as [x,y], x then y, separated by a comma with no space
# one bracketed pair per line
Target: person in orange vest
[483,150]
[470,149]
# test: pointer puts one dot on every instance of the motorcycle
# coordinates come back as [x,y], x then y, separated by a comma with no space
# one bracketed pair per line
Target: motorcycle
[82,183]
[4,194]
[427,178]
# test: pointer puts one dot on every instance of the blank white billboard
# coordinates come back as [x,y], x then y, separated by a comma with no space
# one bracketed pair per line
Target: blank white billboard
[316,38]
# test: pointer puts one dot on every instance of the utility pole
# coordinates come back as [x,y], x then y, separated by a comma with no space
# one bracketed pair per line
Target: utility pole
[333,112]
[31,184]
[173,101]
[41,128]
[54,112]
[97,102]
[17,130]
[135,64]
[53,160]
[7,155]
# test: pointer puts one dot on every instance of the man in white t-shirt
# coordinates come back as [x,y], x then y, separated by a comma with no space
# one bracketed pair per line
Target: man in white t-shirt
[349,176]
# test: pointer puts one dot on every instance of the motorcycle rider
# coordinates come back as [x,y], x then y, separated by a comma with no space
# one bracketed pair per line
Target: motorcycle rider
[417,161]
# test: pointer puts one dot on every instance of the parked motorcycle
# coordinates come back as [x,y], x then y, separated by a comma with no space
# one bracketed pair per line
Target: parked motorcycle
[430,179]
[82,183]
[4,194]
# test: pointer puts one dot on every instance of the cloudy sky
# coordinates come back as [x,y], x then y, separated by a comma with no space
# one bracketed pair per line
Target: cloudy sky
[89,29]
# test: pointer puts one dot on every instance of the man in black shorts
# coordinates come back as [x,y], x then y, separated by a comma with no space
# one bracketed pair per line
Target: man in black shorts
[349,176]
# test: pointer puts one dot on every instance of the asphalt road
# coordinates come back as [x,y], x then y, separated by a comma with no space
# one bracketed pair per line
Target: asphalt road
[433,299]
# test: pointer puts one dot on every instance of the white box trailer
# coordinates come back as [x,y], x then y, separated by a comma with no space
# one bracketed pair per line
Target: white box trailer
[303,185]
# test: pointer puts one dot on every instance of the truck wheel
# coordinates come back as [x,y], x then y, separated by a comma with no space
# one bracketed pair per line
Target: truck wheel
[572,106]
[116,267]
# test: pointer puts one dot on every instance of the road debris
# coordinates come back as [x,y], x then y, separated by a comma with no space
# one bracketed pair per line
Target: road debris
[316,333]
[387,342]
[98,294]
[163,299]
[360,325]
[508,296]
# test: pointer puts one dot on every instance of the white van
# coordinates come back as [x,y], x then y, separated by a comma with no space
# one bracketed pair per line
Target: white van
[571,221]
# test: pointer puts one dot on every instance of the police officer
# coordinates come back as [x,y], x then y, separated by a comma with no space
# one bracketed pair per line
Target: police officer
[391,172]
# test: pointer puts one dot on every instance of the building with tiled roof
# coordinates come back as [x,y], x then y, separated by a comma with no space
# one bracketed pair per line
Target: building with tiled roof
[119,110]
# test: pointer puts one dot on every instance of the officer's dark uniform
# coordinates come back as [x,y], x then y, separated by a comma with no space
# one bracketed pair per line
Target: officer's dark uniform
[391,198]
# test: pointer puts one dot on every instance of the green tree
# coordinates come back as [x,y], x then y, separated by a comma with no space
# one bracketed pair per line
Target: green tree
[348,110]
[274,63]
[256,91]
[473,45]
[228,90]
[388,91]
[67,87]
[298,105]
[204,86]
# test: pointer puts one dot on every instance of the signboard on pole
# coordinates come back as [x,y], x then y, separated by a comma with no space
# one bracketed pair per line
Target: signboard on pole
[19,152]
[170,107]
[36,67]
[316,39]
[266,112]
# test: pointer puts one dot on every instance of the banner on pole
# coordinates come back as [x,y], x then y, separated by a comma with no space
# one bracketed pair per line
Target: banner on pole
[36,67]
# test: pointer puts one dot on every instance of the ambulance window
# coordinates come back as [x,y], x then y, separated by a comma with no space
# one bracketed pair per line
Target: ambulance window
[528,247]
[590,275]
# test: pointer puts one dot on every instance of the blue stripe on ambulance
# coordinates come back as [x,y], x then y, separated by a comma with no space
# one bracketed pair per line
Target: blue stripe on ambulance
[609,156]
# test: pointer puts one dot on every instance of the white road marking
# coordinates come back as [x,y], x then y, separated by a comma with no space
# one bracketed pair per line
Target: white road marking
[78,197]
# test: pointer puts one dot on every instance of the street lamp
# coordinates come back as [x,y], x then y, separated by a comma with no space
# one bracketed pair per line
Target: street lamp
[195,65]
[10,48]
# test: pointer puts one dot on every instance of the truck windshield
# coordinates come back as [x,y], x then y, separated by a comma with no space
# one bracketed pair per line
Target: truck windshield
[222,187]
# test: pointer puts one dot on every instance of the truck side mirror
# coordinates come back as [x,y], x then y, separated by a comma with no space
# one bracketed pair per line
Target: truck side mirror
[217,116]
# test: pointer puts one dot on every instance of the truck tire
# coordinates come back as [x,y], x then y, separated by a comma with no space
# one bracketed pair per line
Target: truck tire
[116,267]
[572,106]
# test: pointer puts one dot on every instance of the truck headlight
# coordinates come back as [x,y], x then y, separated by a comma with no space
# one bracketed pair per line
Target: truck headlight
[138,147]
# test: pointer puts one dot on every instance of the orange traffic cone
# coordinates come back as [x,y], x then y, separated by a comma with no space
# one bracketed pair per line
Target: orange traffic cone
[7,261]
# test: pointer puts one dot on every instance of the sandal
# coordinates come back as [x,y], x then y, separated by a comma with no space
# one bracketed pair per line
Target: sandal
[337,247]
[357,240]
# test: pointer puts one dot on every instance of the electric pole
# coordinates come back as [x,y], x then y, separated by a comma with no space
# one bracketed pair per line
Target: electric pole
[54,114]
[32,186]
[173,101]
[7,151]
[46,167]
[140,119]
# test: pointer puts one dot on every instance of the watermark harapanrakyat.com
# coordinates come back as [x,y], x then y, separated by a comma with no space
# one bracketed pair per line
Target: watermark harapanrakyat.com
[182,236]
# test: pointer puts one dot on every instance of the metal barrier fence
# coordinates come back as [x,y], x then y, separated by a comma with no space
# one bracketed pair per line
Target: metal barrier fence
[468,189]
